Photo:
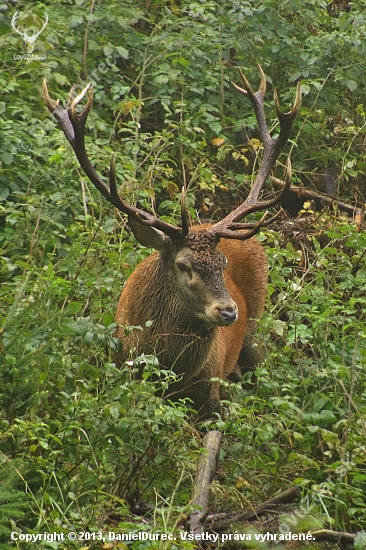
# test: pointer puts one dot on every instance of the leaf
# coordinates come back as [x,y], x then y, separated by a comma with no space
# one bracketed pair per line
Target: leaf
[183,61]
[298,436]
[4,192]
[7,158]
[279,327]
[68,326]
[161,79]
[330,437]
[360,541]
[215,126]
[89,337]
[327,417]
[351,85]
[122,52]
[56,159]
[73,308]
[218,141]
[75,21]
[60,78]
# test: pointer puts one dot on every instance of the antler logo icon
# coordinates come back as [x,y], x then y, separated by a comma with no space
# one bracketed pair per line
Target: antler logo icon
[28,40]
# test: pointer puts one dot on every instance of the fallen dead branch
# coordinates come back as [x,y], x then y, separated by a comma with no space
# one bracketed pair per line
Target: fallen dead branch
[333,536]
[201,521]
[220,521]
[205,473]
[357,213]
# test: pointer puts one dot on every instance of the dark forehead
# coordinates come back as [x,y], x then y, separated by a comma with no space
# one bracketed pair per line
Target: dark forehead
[200,246]
[201,241]
[201,249]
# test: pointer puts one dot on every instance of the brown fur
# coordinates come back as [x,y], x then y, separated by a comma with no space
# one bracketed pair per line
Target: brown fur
[183,343]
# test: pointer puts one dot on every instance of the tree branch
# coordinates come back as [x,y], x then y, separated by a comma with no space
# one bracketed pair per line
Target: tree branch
[205,473]
[302,192]
[223,520]
[334,536]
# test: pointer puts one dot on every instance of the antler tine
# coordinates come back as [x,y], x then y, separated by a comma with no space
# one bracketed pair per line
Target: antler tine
[52,105]
[72,124]
[183,213]
[228,227]
[73,101]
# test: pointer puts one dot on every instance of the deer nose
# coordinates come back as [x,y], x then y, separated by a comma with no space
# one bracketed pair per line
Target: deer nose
[228,315]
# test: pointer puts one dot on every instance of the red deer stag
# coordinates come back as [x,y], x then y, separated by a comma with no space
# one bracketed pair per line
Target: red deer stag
[205,286]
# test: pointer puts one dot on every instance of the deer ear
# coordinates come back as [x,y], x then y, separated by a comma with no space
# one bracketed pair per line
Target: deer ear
[146,235]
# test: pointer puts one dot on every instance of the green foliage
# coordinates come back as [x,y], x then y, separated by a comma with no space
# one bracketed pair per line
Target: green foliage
[305,418]
[80,438]
[13,505]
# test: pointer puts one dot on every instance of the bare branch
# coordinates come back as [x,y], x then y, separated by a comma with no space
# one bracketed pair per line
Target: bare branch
[205,473]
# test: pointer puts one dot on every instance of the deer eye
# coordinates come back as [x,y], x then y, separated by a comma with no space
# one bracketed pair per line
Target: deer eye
[183,267]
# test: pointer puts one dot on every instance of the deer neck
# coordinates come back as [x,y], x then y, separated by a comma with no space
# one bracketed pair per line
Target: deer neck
[180,341]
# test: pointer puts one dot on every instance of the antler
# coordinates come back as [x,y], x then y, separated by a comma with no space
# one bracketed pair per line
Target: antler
[228,227]
[73,126]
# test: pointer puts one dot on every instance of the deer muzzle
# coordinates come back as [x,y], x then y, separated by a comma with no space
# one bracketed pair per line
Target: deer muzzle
[228,315]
